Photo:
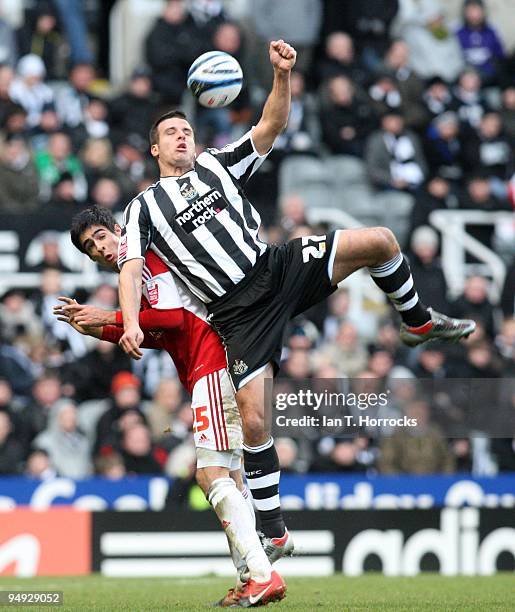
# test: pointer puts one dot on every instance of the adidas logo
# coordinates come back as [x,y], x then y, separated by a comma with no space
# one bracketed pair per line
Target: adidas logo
[203,438]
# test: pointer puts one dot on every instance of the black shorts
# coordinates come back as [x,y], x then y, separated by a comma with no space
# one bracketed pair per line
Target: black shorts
[252,318]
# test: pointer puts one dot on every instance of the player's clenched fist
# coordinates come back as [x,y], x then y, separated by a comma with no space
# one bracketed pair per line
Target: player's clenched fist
[131,341]
[282,55]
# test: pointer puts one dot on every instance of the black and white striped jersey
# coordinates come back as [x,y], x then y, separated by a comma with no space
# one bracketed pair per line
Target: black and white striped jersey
[201,223]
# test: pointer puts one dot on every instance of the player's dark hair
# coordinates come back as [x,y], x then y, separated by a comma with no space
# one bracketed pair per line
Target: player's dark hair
[153,134]
[94,215]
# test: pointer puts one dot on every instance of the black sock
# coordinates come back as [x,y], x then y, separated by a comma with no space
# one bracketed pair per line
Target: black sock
[263,474]
[394,278]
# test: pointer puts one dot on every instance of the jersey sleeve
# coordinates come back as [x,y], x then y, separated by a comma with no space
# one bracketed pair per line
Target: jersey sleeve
[159,288]
[136,233]
[240,158]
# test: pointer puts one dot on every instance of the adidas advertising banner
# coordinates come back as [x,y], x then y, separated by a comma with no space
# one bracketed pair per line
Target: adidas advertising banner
[452,541]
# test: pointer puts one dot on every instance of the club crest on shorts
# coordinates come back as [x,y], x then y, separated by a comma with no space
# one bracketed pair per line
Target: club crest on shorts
[187,190]
[239,367]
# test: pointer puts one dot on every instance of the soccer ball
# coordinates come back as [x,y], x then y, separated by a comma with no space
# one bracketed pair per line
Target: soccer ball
[215,79]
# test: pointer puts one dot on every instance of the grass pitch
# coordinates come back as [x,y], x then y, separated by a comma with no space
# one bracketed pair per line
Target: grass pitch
[370,592]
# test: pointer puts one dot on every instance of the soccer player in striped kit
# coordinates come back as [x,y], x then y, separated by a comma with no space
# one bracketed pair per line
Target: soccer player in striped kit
[199,221]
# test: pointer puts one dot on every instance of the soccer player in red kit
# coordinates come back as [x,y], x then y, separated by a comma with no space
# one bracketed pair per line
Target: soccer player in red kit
[174,320]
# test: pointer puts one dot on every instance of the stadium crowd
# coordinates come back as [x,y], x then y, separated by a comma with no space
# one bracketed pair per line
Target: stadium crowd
[423,109]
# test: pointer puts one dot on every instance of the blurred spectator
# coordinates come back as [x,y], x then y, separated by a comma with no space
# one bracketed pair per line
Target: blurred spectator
[479,196]
[38,466]
[132,161]
[6,102]
[489,150]
[134,110]
[426,269]
[57,160]
[29,90]
[72,16]
[468,99]
[171,46]
[385,94]
[207,12]
[18,177]
[229,37]
[110,466]
[15,121]
[50,290]
[436,195]
[346,352]
[16,368]
[139,454]
[340,60]
[347,119]
[481,362]
[17,316]
[48,124]
[437,97]
[287,452]
[11,451]
[8,44]
[163,411]
[369,25]
[434,49]
[94,372]
[73,100]
[98,162]
[443,148]
[63,199]
[33,419]
[508,112]
[66,445]
[214,126]
[106,193]
[40,35]
[50,255]
[507,303]
[394,155]
[95,121]
[293,211]
[416,450]
[505,343]
[341,456]
[125,402]
[475,304]
[431,362]
[104,296]
[297,21]
[481,45]
[301,133]
[410,86]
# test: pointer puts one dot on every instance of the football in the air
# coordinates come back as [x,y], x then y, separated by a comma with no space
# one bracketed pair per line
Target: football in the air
[215,79]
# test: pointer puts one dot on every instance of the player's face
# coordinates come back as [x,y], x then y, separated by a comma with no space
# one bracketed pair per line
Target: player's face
[101,245]
[176,144]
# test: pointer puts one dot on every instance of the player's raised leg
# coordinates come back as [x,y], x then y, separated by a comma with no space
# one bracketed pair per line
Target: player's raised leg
[377,249]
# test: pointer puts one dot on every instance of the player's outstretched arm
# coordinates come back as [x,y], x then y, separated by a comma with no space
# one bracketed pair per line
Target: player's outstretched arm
[277,107]
[130,299]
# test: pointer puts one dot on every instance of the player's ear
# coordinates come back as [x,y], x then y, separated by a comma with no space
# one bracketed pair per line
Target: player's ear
[117,230]
[154,150]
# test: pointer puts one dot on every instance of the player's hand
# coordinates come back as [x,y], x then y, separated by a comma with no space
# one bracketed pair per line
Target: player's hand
[131,341]
[66,308]
[282,55]
[90,316]
[82,329]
